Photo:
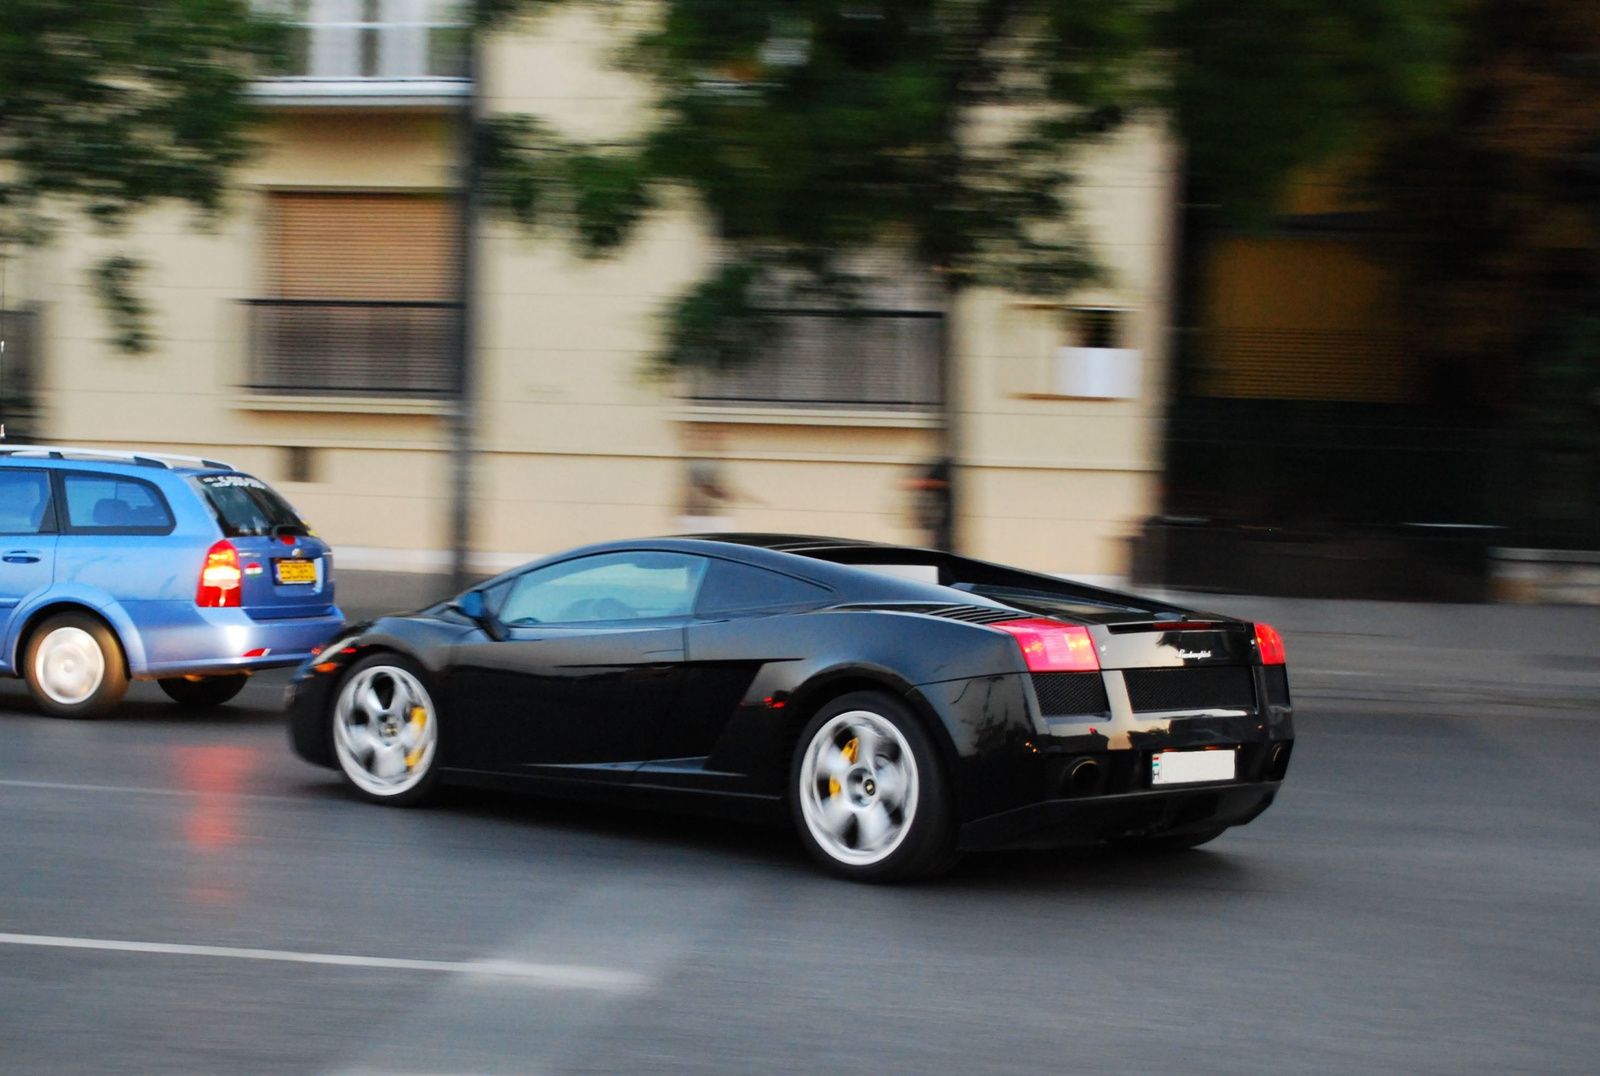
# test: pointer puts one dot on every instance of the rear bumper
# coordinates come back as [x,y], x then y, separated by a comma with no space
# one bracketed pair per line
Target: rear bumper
[1057,823]
[214,641]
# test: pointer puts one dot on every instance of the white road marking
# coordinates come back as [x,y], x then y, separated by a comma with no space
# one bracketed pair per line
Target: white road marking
[553,976]
[60,786]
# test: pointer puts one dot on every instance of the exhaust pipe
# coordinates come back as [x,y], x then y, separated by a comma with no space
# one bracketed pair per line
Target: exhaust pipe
[1084,777]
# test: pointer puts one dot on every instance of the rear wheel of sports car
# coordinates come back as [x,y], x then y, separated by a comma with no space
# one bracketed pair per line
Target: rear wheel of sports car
[386,731]
[868,794]
[74,667]
[203,691]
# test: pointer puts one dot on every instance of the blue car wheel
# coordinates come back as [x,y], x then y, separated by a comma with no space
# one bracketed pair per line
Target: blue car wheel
[74,666]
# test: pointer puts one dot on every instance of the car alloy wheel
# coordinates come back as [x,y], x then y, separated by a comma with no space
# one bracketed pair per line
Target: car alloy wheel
[858,788]
[386,732]
[68,665]
[74,668]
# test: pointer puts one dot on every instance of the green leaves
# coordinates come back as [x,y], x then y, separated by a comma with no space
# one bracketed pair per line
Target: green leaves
[113,279]
[812,131]
[111,105]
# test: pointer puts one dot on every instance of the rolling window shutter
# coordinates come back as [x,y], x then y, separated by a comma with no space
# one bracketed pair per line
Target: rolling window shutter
[360,246]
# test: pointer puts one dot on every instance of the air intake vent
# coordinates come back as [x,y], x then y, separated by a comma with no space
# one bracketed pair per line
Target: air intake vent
[972,614]
[1277,685]
[1061,694]
[975,614]
[1226,687]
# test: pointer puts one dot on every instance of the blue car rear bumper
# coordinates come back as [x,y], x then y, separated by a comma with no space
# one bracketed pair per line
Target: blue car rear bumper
[191,641]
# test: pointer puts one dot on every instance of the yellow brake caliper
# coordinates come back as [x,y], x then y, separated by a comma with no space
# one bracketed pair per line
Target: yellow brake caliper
[419,718]
[851,752]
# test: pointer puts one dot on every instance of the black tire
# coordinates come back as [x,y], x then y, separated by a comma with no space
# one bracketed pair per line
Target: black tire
[411,789]
[57,641]
[205,692]
[923,841]
[1166,844]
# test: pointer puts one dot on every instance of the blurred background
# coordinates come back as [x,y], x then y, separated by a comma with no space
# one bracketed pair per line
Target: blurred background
[1277,306]
[1276,298]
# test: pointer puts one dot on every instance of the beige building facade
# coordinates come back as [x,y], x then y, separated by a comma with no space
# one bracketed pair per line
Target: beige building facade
[304,335]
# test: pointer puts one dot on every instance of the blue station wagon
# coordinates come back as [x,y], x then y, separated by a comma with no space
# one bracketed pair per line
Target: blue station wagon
[118,566]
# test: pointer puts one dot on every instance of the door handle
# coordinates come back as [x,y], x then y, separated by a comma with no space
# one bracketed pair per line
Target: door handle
[20,556]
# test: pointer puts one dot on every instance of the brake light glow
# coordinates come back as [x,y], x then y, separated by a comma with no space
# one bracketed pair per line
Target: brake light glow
[1050,646]
[220,578]
[1269,644]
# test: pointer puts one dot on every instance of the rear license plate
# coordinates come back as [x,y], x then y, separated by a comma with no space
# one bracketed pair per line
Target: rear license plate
[295,571]
[1192,767]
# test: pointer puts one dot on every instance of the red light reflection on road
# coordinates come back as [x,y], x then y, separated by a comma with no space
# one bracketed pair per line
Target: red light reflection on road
[211,825]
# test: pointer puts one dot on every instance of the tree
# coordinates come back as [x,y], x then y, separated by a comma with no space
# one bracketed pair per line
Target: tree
[813,129]
[109,106]
[1489,211]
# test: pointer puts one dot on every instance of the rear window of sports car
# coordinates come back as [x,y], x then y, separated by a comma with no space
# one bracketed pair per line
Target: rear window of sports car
[740,588]
[248,507]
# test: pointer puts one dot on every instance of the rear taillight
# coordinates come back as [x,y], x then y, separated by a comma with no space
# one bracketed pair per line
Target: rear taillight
[1269,644]
[220,578]
[1050,646]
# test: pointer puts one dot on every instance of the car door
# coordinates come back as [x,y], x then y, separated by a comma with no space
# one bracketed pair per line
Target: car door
[27,538]
[589,659]
[111,526]
[739,625]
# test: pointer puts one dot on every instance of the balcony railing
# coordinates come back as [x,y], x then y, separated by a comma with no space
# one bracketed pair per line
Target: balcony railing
[829,360]
[370,48]
[352,347]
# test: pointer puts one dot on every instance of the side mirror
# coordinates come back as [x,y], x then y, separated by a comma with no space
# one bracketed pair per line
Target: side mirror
[472,606]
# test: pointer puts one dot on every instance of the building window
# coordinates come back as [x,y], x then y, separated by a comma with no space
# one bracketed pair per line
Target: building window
[1096,326]
[858,359]
[360,297]
[348,40]
[299,464]
[19,357]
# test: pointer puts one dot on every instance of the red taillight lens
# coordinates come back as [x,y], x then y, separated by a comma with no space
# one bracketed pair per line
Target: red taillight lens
[1049,646]
[1269,644]
[220,578]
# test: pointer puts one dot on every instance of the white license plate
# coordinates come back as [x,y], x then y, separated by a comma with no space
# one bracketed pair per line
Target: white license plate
[1192,767]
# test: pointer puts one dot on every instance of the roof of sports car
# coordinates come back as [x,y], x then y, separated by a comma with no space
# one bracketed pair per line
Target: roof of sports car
[795,543]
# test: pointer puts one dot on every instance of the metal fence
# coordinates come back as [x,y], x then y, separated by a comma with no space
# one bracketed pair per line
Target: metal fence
[866,359]
[352,347]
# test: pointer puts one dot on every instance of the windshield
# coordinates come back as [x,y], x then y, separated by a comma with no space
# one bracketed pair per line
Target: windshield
[248,507]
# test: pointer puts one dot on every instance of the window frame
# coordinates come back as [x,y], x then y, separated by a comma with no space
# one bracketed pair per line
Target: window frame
[64,523]
[496,603]
[49,523]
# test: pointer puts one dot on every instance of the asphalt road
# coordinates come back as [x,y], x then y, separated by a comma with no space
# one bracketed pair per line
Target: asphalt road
[1422,899]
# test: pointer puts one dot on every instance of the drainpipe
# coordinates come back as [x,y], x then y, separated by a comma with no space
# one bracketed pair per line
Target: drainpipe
[462,413]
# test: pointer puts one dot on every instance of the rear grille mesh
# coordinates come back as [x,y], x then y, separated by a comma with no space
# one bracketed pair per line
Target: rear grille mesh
[1228,687]
[1070,693]
[1277,678]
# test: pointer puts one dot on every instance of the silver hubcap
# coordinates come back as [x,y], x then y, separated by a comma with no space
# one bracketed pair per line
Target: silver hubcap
[69,666]
[384,730]
[858,787]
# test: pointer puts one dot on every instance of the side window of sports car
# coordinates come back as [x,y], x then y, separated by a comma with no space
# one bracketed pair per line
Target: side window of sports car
[608,586]
[732,588]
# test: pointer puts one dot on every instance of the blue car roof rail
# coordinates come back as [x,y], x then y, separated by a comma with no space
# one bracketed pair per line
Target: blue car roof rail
[166,460]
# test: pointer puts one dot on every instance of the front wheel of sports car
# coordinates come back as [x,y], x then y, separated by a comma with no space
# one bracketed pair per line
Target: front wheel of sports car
[867,792]
[386,731]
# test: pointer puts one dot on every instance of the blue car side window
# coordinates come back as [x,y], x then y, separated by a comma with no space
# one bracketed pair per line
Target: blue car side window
[108,504]
[25,502]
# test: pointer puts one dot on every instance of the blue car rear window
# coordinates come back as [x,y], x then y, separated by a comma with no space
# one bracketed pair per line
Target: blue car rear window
[248,507]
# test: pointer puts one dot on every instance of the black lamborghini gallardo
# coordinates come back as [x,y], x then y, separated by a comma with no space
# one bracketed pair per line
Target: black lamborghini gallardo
[899,706]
